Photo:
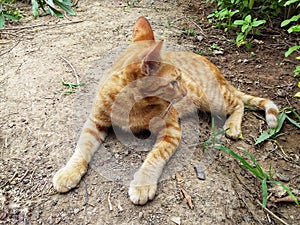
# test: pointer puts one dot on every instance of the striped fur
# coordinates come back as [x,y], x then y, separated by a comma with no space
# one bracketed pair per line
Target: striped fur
[149,81]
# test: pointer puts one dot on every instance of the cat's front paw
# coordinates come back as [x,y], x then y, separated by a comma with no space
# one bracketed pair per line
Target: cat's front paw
[233,131]
[142,189]
[68,177]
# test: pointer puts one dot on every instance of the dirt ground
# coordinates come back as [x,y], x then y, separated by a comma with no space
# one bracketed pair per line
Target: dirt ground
[40,123]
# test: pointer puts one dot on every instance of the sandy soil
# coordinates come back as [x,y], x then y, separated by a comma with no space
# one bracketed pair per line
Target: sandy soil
[39,122]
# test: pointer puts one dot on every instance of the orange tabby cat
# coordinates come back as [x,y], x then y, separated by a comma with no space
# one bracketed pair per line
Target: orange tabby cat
[162,86]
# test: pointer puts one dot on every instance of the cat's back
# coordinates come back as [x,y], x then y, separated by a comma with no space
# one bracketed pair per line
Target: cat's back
[195,66]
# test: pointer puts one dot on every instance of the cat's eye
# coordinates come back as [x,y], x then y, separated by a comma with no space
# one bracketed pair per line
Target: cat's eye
[178,78]
[173,83]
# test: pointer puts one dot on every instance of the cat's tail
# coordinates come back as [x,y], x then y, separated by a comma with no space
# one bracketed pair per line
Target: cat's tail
[271,110]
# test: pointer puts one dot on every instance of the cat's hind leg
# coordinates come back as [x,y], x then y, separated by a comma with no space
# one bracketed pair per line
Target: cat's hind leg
[92,135]
[233,123]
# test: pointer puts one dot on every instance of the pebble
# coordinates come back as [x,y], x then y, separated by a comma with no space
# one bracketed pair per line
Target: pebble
[199,38]
[281,93]
[200,172]
[176,220]
[243,172]
[76,211]
[281,176]
[54,202]
[141,214]
[25,181]
[218,52]
[246,219]
[3,215]
[11,125]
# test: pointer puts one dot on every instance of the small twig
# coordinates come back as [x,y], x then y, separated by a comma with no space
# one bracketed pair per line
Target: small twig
[86,194]
[31,176]
[285,199]
[73,69]
[86,201]
[21,179]
[8,50]
[1,32]
[201,31]
[108,200]
[10,180]
[243,200]
[41,25]
[184,191]
[272,214]
[119,206]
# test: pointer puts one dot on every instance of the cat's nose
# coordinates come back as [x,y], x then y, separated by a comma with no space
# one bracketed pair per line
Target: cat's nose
[183,91]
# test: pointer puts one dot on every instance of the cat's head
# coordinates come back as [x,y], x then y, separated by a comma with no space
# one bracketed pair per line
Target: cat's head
[157,77]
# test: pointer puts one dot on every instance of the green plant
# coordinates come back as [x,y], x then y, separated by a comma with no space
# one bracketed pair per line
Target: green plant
[189,32]
[257,171]
[249,14]
[297,95]
[247,25]
[275,132]
[71,87]
[50,7]
[255,168]
[8,11]
[215,138]
[293,29]
[223,18]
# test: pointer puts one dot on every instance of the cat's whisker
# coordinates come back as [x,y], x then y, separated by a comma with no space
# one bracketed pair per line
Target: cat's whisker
[166,111]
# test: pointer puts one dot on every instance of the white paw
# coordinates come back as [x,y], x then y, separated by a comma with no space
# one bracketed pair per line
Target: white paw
[271,120]
[67,178]
[142,189]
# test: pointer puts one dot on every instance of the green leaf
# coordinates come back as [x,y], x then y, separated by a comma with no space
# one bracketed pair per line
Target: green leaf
[245,27]
[293,19]
[290,2]
[272,132]
[251,3]
[294,111]
[240,38]
[54,11]
[259,169]
[258,23]
[11,17]
[293,122]
[238,22]
[2,20]
[65,7]
[50,3]
[242,161]
[281,118]
[264,136]
[248,19]
[297,71]
[265,192]
[294,29]
[35,8]
[291,50]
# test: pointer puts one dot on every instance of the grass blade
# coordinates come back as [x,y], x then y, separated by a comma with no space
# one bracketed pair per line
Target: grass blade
[265,192]
[243,162]
[260,170]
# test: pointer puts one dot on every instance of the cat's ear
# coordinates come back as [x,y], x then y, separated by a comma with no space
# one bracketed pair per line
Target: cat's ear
[142,30]
[151,62]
